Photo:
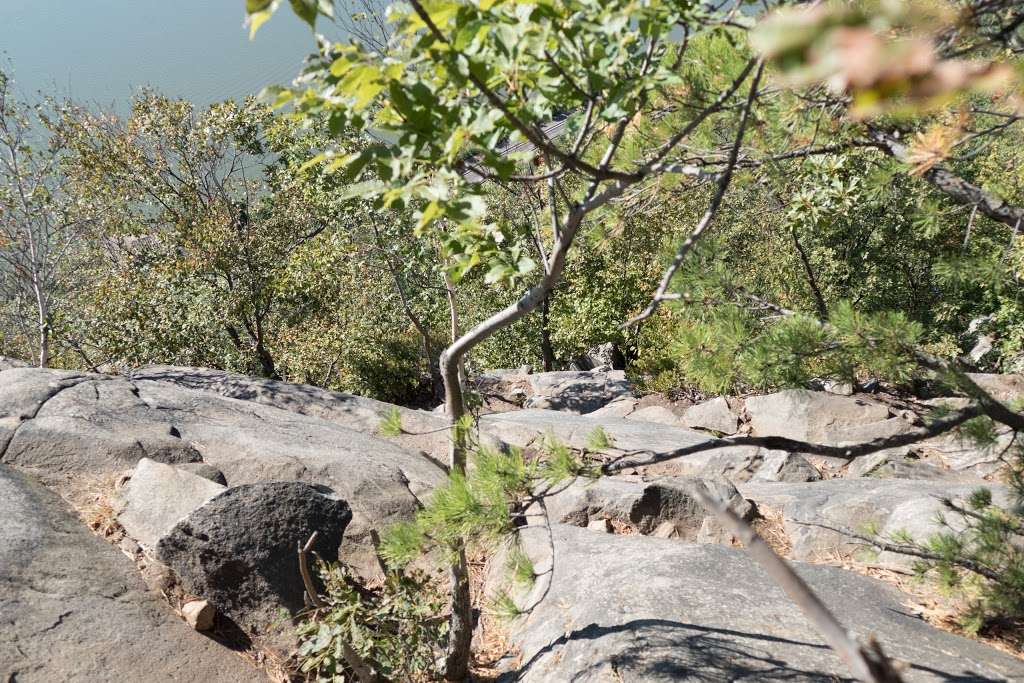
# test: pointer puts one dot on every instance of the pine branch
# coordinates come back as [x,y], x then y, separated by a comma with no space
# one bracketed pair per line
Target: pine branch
[955,187]
[912,550]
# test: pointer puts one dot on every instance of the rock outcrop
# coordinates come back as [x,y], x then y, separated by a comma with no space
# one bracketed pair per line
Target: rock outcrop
[73,608]
[421,431]
[715,415]
[664,507]
[649,610]
[883,506]
[159,496]
[819,417]
[224,475]
[70,426]
[9,363]
[574,391]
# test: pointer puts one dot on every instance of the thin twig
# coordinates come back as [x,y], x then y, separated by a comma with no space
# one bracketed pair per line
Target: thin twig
[904,549]
[307,579]
[716,201]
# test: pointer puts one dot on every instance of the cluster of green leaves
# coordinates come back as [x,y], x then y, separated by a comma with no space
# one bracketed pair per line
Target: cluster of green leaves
[208,247]
[396,628]
[432,104]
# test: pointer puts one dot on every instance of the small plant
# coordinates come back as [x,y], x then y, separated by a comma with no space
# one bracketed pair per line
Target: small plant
[980,558]
[391,425]
[396,628]
[521,566]
[599,439]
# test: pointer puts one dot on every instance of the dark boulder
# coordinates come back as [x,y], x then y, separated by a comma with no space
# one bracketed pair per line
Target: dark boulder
[238,550]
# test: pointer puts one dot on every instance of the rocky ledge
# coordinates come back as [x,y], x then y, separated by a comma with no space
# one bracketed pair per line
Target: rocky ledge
[208,480]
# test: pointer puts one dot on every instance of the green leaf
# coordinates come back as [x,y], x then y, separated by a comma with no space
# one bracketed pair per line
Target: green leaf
[306,10]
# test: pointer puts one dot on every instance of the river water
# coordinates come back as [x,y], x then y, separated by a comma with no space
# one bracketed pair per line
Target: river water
[100,51]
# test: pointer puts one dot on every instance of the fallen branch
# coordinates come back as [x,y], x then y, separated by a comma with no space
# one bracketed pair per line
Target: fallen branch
[935,427]
[868,664]
[364,672]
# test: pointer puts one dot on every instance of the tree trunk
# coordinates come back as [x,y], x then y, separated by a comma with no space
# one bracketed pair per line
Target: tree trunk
[460,626]
[812,281]
[44,325]
[547,353]
[267,367]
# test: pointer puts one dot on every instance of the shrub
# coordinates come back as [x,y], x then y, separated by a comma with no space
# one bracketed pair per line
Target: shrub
[396,628]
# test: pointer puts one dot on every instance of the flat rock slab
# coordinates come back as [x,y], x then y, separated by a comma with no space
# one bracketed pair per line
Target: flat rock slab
[238,551]
[1002,387]
[158,496]
[530,427]
[888,505]
[577,391]
[708,613]
[714,415]
[8,363]
[73,608]
[423,431]
[818,417]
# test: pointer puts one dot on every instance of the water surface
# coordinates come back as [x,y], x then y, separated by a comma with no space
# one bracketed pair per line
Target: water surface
[100,51]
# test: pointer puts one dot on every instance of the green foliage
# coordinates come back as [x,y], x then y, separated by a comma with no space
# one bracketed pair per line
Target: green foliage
[561,463]
[392,424]
[473,507]
[984,539]
[504,607]
[396,628]
[481,506]
[521,566]
[598,439]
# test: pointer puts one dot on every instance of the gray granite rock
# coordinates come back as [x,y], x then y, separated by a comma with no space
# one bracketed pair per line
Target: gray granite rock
[577,391]
[158,496]
[783,466]
[1003,387]
[69,425]
[9,363]
[666,505]
[651,440]
[238,550]
[714,415]
[73,607]
[708,613]
[813,416]
[620,407]
[888,505]
[658,414]
[422,431]
[204,470]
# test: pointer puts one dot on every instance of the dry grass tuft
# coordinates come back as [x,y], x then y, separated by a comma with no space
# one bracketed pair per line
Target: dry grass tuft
[924,600]
[770,526]
[95,501]
[491,644]
[623,528]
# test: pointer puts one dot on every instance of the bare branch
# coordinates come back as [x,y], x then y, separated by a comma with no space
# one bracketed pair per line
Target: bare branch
[716,201]
[904,549]
[868,664]
[936,427]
